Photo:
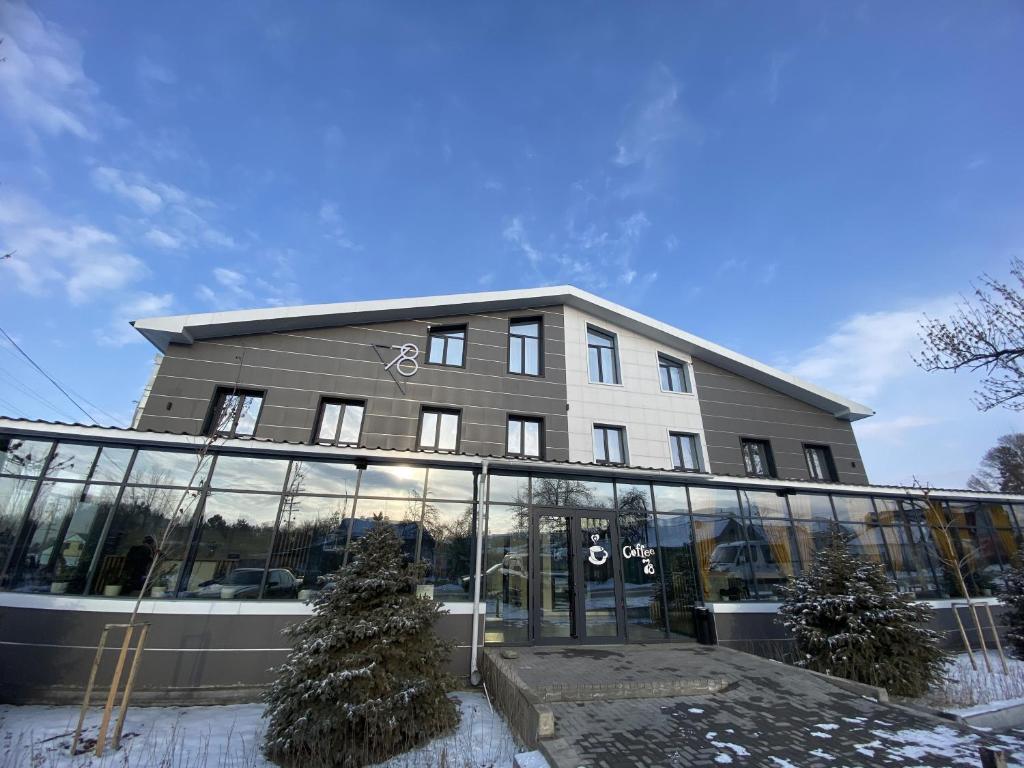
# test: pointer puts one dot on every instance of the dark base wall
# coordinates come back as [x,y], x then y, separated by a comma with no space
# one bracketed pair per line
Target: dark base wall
[760,633]
[46,655]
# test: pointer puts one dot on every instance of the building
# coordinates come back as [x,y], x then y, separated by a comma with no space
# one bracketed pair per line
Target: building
[608,477]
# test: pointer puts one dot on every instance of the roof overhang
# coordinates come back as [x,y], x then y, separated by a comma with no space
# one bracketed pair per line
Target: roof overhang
[186,329]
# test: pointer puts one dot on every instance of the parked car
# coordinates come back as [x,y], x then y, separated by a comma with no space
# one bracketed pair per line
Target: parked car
[244,583]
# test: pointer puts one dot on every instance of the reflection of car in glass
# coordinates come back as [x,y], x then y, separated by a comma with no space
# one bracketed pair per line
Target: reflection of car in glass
[728,575]
[243,583]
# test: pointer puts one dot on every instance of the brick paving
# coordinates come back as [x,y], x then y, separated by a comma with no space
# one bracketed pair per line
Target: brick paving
[768,715]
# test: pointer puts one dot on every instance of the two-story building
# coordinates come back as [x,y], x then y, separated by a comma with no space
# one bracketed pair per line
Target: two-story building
[567,469]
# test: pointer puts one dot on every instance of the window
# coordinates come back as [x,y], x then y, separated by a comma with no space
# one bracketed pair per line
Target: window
[524,347]
[602,357]
[439,430]
[819,462]
[673,375]
[757,458]
[524,437]
[609,445]
[236,412]
[685,451]
[447,346]
[340,422]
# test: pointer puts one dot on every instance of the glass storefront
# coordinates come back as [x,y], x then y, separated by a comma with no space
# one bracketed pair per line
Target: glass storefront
[563,556]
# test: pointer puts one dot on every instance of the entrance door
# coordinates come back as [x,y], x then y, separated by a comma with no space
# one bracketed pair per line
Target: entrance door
[578,594]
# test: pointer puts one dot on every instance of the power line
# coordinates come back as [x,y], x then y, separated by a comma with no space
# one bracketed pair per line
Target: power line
[79,395]
[48,377]
[21,387]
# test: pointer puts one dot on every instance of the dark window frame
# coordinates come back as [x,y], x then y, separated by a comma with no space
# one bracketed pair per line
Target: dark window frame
[667,361]
[216,404]
[623,445]
[540,345]
[830,464]
[616,364]
[768,456]
[441,332]
[345,402]
[539,420]
[439,409]
[673,436]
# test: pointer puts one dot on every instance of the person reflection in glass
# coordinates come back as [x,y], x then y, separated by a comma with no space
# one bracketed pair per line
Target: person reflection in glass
[137,562]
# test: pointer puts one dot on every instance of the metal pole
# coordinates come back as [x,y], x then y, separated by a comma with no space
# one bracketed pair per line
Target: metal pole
[481,506]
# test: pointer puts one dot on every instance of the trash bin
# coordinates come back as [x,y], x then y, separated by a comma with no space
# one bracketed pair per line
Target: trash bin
[704,624]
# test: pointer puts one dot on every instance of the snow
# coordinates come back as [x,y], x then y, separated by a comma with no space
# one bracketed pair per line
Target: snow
[220,737]
[969,691]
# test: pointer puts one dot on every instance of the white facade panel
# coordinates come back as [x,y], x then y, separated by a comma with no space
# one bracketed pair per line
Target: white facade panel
[638,403]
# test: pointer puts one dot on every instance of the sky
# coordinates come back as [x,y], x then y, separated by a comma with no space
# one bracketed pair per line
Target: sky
[798,181]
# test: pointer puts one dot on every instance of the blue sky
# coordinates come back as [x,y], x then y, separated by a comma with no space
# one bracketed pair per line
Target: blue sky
[798,181]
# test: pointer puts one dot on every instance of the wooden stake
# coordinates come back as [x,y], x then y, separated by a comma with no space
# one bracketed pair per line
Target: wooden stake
[115,684]
[993,758]
[963,636]
[88,689]
[115,742]
[981,637]
[995,634]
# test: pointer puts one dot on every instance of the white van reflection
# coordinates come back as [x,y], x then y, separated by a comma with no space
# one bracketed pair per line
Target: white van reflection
[244,583]
[728,573]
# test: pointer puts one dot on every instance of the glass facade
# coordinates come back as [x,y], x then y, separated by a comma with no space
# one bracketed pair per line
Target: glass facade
[84,519]
[89,519]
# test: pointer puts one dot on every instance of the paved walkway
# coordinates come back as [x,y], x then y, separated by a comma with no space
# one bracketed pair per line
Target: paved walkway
[767,714]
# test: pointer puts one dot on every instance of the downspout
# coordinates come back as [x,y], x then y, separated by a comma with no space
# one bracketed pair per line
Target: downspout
[481,506]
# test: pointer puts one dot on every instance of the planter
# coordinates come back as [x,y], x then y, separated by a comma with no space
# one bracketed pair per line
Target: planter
[58,587]
[112,590]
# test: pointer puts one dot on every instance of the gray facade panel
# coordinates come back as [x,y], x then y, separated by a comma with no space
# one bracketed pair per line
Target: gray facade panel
[297,369]
[733,407]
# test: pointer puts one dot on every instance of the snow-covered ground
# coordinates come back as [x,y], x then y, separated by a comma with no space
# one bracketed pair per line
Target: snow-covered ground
[967,689]
[221,737]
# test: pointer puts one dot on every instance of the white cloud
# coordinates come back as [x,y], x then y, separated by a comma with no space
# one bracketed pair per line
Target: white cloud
[84,260]
[152,73]
[655,123]
[493,185]
[135,307]
[43,87]
[334,225]
[114,181]
[162,239]
[271,283]
[868,350]
[776,64]
[894,429]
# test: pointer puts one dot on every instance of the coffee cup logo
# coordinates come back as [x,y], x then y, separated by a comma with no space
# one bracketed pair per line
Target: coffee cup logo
[598,554]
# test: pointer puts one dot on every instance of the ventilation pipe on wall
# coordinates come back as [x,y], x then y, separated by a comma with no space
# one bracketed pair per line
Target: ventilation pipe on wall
[481,506]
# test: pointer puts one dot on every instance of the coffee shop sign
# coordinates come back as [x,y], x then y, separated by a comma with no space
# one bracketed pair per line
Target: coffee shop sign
[645,553]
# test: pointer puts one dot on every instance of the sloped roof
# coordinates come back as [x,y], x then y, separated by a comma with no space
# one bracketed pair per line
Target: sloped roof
[186,329]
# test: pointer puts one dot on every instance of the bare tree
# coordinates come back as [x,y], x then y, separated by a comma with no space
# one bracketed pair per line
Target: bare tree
[984,334]
[1002,467]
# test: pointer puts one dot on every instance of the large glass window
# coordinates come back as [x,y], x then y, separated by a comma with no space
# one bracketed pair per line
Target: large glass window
[524,346]
[439,430]
[111,465]
[133,541]
[513,489]
[249,473]
[64,531]
[772,550]
[641,580]
[236,412]
[524,436]
[673,374]
[15,493]
[331,478]
[451,484]
[232,547]
[447,346]
[679,564]
[445,548]
[572,492]
[722,544]
[392,480]
[609,444]
[506,574]
[310,542]
[813,523]
[23,457]
[685,451]
[180,468]
[340,423]
[71,461]
[602,357]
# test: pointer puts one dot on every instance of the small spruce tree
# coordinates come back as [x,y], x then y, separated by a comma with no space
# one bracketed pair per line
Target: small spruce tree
[849,621]
[1012,597]
[364,681]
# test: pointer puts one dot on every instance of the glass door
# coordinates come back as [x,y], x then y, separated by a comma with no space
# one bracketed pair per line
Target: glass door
[577,595]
